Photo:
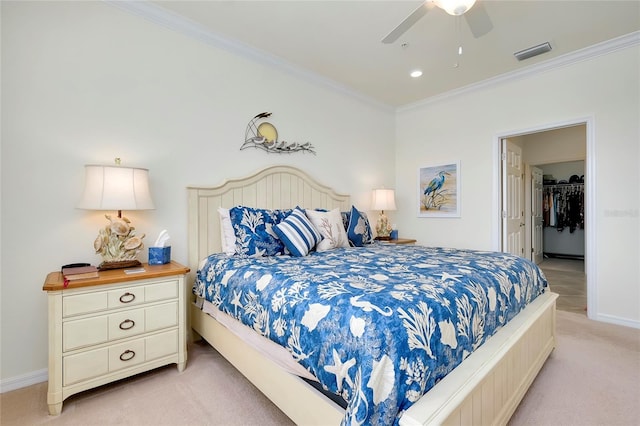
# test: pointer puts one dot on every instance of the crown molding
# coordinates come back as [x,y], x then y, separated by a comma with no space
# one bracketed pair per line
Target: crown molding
[165,18]
[604,48]
[175,22]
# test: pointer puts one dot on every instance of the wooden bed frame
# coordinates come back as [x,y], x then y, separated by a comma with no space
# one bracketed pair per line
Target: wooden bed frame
[485,389]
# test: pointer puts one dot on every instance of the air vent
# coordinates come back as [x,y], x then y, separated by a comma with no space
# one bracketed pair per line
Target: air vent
[533,51]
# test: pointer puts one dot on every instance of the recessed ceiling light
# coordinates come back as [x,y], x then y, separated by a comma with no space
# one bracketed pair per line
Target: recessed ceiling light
[416,73]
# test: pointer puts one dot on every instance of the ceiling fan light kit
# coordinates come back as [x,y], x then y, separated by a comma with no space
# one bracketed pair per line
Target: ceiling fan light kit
[533,51]
[478,20]
[455,7]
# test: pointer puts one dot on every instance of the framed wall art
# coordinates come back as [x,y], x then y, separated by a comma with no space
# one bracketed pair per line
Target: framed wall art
[439,190]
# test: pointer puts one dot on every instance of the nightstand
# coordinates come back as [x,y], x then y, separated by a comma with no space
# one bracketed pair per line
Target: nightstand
[114,326]
[399,241]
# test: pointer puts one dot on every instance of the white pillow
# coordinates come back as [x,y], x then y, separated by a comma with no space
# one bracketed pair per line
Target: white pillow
[331,227]
[227,235]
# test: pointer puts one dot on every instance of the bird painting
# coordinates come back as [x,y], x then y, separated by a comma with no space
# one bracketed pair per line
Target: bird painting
[438,192]
[435,184]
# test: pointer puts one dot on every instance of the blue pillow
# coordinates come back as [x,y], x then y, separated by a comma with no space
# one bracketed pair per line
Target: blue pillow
[254,231]
[359,230]
[297,233]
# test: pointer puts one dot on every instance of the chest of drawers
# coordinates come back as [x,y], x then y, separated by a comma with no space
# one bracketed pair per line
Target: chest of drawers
[114,326]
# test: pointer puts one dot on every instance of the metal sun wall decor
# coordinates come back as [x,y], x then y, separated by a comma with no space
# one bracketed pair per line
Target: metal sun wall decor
[439,190]
[265,136]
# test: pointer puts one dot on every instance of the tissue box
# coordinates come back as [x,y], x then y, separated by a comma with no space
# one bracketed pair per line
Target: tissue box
[159,255]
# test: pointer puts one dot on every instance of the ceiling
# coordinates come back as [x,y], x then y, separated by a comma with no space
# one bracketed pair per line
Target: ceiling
[341,40]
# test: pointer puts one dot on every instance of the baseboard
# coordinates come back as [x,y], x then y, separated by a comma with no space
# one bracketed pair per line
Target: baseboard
[611,319]
[24,380]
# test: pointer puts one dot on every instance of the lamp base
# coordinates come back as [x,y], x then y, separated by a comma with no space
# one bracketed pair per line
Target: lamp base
[383,238]
[118,264]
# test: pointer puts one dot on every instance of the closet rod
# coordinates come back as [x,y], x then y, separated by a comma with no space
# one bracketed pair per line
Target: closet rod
[564,185]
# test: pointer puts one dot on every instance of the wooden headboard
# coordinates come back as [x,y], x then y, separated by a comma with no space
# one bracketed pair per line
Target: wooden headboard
[277,187]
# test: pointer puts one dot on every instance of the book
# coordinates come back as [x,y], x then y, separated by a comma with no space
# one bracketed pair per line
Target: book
[80,273]
[84,276]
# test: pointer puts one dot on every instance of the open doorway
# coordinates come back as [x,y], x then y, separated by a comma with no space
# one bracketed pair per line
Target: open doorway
[543,210]
[563,242]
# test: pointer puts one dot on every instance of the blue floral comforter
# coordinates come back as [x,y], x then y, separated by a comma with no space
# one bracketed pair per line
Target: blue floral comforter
[379,325]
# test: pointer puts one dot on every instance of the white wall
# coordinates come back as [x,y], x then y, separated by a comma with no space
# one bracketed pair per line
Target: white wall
[564,170]
[555,146]
[84,82]
[465,127]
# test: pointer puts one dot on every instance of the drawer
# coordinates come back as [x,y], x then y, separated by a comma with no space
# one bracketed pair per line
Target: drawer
[104,328]
[85,366]
[160,345]
[161,316]
[125,355]
[98,362]
[138,321]
[84,332]
[126,296]
[84,303]
[97,301]
[132,353]
[161,291]
[127,323]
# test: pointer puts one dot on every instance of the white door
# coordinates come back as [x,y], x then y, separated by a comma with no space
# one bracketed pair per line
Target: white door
[536,215]
[513,226]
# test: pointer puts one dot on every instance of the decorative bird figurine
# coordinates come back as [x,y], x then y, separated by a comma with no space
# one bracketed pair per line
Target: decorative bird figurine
[435,184]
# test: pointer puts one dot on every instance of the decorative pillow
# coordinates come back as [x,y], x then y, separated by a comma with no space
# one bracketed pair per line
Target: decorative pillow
[254,231]
[297,233]
[359,231]
[345,219]
[330,226]
[227,236]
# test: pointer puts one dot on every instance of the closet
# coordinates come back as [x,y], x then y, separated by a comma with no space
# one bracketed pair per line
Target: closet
[563,210]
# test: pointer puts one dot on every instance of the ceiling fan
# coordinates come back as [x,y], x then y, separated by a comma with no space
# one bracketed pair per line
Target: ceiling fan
[476,18]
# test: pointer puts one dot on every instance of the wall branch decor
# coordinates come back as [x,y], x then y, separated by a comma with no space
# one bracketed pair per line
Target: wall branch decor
[264,135]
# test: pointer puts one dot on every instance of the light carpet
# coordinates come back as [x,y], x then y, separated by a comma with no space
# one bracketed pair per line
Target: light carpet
[591,378]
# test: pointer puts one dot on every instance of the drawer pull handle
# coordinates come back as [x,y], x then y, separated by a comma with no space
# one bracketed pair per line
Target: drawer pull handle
[127,355]
[127,324]
[127,297]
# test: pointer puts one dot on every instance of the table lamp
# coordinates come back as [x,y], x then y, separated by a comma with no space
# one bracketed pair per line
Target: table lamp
[117,188]
[383,199]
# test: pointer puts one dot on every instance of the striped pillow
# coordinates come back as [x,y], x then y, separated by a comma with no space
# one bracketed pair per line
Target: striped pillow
[297,233]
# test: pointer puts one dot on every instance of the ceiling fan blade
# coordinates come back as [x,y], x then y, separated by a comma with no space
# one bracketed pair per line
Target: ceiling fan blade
[478,20]
[408,22]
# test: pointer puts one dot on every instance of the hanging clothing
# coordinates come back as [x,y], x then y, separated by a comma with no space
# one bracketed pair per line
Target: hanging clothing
[552,206]
[563,206]
[545,209]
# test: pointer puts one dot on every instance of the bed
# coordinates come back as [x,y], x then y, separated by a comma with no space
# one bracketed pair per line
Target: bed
[485,388]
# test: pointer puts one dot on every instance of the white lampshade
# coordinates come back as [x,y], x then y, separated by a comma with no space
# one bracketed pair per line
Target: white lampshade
[455,7]
[383,199]
[116,188]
